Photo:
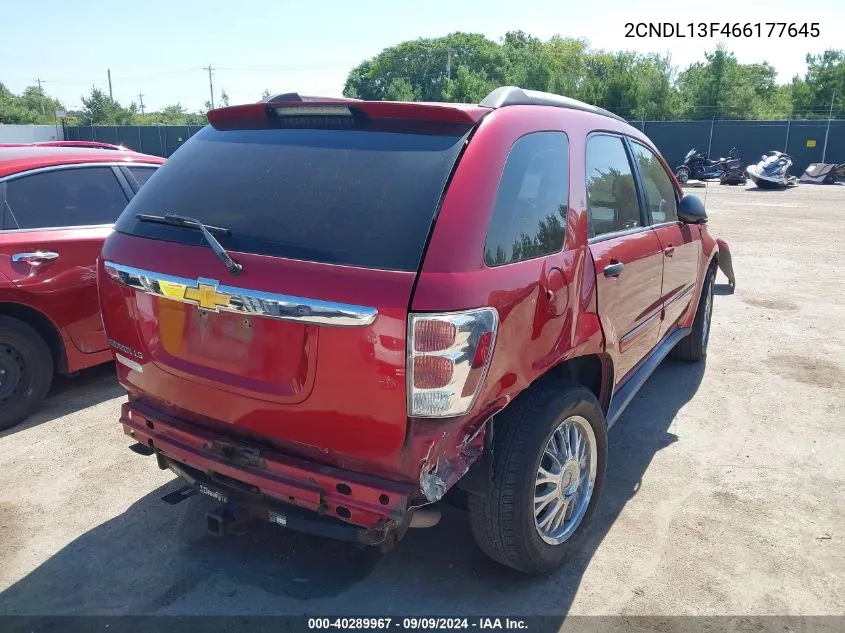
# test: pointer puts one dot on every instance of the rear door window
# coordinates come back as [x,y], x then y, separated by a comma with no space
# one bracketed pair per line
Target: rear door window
[529,217]
[358,197]
[141,174]
[660,192]
[72,196]
[611,193]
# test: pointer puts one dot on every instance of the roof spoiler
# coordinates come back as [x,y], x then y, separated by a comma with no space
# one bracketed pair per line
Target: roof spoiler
[404,110]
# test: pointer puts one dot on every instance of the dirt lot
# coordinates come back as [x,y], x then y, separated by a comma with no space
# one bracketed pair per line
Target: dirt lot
[726,490]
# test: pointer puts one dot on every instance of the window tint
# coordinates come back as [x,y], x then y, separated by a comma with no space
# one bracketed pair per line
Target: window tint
[65,197]
[359,197]
[529,217]
[611,194]
[659,191]
[142,174]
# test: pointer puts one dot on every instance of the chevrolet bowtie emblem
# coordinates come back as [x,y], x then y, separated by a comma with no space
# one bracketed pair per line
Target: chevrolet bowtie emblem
[204,295]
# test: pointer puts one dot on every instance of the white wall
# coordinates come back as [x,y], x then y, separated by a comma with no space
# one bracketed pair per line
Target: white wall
[29,133]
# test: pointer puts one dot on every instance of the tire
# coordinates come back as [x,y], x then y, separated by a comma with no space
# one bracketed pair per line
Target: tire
[27,371]
[682,174]
[693,347]
[503,521]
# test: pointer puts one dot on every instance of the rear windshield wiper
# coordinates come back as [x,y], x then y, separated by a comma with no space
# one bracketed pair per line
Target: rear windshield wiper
[191,223]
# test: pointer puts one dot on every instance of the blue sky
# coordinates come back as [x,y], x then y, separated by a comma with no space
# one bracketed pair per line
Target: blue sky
[158,48]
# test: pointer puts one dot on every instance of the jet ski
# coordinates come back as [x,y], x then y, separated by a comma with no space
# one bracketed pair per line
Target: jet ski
[772,172]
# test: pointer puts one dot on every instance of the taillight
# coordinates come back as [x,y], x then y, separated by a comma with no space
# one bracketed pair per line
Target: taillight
[448,357]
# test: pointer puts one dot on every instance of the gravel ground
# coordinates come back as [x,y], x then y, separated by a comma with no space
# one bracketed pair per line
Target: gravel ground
[725,495]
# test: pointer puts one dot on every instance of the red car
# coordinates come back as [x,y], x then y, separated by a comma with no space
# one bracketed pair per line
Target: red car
[328,315]
[58,202]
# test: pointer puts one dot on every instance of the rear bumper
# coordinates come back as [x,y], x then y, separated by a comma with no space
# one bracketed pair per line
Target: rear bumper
[265,477]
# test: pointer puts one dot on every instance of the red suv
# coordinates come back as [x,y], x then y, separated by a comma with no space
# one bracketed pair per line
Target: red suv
[327,315]
[57,204]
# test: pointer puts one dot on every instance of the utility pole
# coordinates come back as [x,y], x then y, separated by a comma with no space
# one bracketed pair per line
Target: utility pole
[141,100]
[111,96]
[827,132]
[41,94]
[210,85]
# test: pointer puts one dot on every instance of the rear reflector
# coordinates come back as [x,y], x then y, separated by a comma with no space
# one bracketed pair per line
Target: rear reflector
[448,357]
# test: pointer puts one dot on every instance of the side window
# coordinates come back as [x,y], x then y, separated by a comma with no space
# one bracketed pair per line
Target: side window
[611,195]
[141,174]
[7,220]
[529,217]
[659,191]
[65,197]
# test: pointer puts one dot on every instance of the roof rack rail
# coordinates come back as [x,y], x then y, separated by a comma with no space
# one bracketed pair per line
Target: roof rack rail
[512,95]
[88,144]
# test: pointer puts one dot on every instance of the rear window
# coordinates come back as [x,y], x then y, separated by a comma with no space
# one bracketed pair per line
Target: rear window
[357,197]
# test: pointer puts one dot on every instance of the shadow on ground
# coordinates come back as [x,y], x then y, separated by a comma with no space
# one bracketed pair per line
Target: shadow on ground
[68,394]
[757,189]
[156,558]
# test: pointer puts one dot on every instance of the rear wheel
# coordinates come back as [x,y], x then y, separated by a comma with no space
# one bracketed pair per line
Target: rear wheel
[693,347]
[26,371]
[549,463]
[682,174]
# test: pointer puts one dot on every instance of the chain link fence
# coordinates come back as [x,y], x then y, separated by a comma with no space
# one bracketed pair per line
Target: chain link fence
[807,141]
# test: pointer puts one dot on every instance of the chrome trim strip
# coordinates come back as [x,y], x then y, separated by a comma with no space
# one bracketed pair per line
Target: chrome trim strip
[69,227]
[628,338]
[680,296]
[131,364]
[216,297]
[129,161]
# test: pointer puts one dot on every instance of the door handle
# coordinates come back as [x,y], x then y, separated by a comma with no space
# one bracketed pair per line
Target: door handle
[669,250]
[36,258]
[614,270]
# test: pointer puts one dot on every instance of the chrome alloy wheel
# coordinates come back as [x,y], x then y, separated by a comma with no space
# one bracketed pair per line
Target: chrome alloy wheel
[565,479]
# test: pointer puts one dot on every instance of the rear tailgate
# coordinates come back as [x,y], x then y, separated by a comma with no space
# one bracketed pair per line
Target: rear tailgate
[306,347]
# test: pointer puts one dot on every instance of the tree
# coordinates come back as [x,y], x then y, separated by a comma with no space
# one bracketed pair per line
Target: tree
[27,107]
[426,66]
[100,109]
[224,98]
[400,90]
[465,67]
[825,75]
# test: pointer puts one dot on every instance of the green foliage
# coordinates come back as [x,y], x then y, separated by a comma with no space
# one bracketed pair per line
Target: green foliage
[825,75]
[27,107]
[97,109]
[465,67]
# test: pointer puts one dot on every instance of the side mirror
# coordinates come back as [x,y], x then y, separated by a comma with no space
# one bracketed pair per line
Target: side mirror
[691,210]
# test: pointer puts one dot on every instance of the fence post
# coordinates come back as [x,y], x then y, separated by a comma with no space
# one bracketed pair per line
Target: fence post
[710,142]
[786,144]
[93,133]
[140,142]
[827,131]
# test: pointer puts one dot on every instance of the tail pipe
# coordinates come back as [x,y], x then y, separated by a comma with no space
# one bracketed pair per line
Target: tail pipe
[726,262]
